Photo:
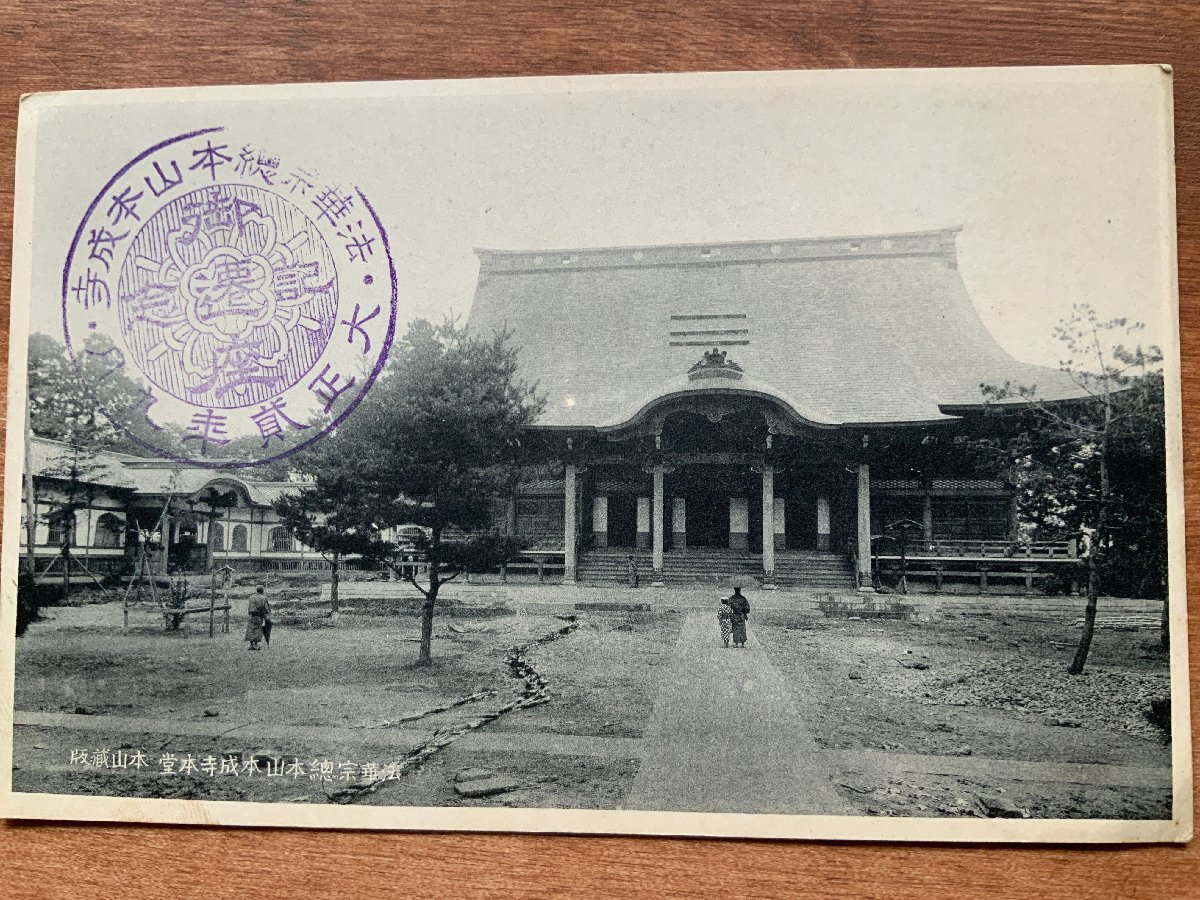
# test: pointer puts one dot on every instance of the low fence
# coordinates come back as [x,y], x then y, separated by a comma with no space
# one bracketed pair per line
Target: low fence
[1050,565]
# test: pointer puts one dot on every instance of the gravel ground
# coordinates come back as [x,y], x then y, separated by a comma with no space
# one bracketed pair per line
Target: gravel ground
[1108,699]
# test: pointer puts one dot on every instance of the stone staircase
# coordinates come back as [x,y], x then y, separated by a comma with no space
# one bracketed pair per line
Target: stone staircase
[813,569]
[714,566]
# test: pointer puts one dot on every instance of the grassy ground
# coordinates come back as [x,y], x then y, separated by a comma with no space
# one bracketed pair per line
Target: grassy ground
[982,686]
[350,677]
[967,687]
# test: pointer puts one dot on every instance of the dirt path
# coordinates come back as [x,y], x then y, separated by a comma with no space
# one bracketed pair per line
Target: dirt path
[727,735]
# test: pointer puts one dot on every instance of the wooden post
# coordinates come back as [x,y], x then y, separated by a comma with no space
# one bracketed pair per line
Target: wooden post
[768,525]
[656,527]
[212,605]
[30,501]
[864,527]
[570,521]
[823,522]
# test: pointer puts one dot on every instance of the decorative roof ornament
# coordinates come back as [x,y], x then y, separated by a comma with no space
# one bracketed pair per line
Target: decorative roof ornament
[715,365]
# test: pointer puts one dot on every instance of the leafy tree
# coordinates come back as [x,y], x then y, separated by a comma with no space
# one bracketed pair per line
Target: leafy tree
[438,438]
[1094,466]
[332,513]
[88,399]
[64,405]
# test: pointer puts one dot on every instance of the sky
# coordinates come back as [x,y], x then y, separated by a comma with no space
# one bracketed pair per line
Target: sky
[1059,178]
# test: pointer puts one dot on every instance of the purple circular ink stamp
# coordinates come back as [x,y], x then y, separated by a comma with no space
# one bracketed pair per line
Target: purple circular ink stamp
[228,295]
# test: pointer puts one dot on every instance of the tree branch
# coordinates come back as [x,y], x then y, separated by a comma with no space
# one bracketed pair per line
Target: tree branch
[451,578]
[412,579]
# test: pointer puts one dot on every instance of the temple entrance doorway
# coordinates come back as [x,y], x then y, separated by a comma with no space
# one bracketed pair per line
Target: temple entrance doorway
[800,518]
[622,520]
[704,492]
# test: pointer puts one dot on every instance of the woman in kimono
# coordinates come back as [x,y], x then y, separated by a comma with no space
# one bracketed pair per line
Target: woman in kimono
[259,620]
[739,607]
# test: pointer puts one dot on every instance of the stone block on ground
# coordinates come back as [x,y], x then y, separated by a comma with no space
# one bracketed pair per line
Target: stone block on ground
[486,787]
[473,774]
[1002,808]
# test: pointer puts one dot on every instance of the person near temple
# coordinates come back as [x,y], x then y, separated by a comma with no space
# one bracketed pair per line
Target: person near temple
[725,620]
[259,621]
[739,608]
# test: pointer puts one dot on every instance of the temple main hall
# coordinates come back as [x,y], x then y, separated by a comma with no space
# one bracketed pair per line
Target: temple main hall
[781,408]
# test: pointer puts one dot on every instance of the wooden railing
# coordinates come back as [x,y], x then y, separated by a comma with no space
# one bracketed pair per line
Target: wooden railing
[983,561]
[539,561]
[887,546]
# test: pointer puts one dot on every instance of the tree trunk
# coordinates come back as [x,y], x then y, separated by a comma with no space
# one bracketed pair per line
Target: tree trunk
[1164,627]
[427,608]
[208,549]
[30,501]
[1089,617]
[334,605]
[1099,543]
[426,657]
[66,573]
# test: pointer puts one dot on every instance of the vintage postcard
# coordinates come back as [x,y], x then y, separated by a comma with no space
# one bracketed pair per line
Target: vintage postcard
[789,454]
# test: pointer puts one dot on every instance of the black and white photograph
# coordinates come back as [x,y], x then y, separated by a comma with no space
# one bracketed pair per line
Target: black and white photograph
[790,454]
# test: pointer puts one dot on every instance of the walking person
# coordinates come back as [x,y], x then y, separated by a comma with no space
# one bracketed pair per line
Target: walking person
[725,620]
[258,624]
[739,608]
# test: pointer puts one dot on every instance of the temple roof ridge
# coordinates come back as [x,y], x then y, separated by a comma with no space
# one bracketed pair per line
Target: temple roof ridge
[935,241]
[847,331]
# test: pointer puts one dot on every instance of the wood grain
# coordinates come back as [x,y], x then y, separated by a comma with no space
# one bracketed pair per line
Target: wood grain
[135,44]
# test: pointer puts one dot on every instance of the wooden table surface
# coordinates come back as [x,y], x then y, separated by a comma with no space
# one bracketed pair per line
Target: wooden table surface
[47,46]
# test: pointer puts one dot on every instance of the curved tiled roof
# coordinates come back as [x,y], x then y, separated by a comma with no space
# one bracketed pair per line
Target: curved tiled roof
[148,476]
[852,330]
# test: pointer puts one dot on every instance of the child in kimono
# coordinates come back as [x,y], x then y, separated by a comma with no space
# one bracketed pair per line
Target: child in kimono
[725,620]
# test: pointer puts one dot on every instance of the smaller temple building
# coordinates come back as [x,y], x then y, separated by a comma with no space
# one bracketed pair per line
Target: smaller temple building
[107,502]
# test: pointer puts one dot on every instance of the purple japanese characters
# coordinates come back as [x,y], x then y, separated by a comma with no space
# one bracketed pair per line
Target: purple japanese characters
[248,298]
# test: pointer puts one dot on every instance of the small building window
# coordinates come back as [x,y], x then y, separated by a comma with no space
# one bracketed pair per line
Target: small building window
[279,540]
[240,539]
[59,520]
[216,536]
[540,518]
[109,532]
[971,519]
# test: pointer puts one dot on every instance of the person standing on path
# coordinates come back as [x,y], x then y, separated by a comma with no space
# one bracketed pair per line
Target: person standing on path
[259,619]
[632,571]
[739,608]
[725,620]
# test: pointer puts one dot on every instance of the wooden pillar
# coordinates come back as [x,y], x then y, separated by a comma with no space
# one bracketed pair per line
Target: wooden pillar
[864,527]
[679,523]
[570,519]
[657,526]
[768,525]
[600,520]
[927,519]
